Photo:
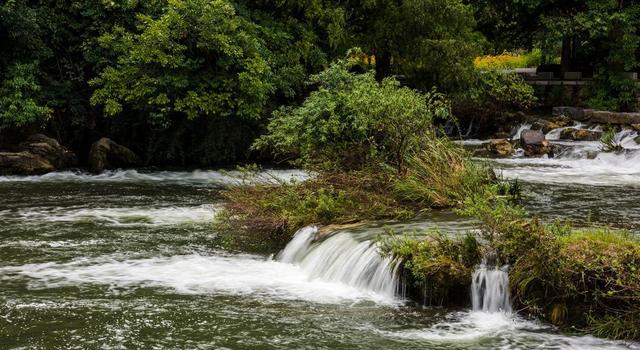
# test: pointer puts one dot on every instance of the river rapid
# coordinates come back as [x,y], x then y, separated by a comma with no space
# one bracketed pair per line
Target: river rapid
[130,260]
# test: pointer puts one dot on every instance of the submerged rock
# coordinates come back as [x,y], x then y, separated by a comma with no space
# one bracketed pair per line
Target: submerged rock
[500,147]
[24,163]
[556,123]
[534,143]
[580,135]
[107,154]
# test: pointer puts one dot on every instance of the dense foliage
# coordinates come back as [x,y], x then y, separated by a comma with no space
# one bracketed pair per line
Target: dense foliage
[352,121]
[195,81]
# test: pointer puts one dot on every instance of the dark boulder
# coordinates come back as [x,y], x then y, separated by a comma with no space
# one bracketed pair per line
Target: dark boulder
[24,163]
[535,144]
[579,114]
[107,154]
[50,149]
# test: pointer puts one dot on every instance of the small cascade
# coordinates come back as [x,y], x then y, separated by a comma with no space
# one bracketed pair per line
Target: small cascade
[626,138]
[342,258]
[298,245]
[519,131]
[554,134]
[490,289]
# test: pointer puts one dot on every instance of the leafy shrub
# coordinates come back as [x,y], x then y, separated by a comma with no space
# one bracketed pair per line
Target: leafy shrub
[436,268]
[613,92]
[18,104]
[353,121]
[493,93]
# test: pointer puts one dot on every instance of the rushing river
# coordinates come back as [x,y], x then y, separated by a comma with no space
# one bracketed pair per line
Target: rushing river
[130,260]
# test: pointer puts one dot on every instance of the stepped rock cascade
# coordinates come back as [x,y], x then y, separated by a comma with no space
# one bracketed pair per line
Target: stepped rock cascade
[343,258]
[490,289]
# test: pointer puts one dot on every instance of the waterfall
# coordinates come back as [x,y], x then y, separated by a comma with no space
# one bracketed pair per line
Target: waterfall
[298,245]
[342,258]
[490,289]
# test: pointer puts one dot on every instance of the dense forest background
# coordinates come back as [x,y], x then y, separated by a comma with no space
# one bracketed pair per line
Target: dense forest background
[195,82]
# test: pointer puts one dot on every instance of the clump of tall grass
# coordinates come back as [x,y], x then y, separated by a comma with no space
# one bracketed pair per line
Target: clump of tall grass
[608,142]
[440,174]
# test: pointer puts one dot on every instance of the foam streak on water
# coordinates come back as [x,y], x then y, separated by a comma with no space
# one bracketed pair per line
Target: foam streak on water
[118,216]
[173,177]
[483,330]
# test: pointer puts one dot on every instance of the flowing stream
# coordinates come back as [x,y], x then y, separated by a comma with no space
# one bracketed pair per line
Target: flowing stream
[130,260]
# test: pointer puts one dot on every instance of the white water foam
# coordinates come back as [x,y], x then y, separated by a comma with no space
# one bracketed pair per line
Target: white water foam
[503,331]
[244,275]
[133,216]
[606,169]
[490,289]
[174,177]
[342,258]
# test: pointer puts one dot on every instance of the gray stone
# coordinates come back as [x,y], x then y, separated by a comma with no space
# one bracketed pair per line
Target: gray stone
[573,75]
[534,143]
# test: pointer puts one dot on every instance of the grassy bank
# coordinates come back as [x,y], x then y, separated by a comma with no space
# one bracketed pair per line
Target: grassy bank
[440,176]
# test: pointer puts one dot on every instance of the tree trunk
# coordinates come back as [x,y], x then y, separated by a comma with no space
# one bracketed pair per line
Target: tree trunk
[567,55]
[383,65]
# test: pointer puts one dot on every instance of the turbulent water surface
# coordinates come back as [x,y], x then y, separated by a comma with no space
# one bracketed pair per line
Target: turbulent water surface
[129,260]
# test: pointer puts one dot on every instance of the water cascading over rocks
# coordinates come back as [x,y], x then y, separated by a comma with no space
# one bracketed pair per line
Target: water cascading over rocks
[490,289]
[342,258]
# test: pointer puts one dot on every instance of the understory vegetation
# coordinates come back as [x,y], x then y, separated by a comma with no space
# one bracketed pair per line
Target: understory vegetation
[580,279]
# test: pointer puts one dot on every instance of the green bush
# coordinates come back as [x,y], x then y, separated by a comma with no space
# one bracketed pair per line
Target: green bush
[436,268]
[613,92]
[353,121]
[493,93]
